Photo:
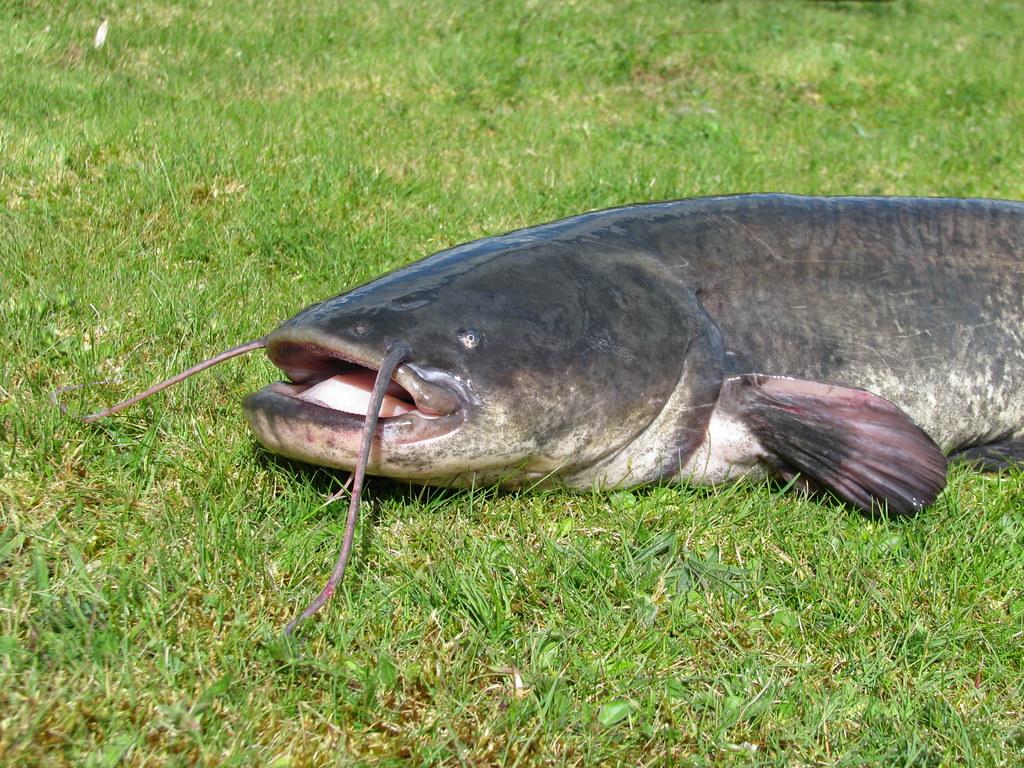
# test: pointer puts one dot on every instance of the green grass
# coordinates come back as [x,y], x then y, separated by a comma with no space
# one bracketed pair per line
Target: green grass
[217,166]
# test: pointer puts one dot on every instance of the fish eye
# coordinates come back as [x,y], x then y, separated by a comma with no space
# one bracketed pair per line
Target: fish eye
[470,338]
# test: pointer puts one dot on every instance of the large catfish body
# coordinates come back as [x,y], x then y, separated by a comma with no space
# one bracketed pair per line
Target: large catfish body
[850,341]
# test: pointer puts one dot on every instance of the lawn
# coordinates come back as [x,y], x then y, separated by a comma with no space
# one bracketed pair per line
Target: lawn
[214,167]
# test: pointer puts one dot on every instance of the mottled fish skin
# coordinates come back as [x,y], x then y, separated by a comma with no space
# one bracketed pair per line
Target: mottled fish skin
[918,300]
[604,339]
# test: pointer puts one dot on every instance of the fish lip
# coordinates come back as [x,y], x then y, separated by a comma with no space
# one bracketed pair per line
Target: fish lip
[434,392]
[275,400]
[441,402]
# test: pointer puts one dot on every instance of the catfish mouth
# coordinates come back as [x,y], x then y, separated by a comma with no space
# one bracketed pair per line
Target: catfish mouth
[330,387]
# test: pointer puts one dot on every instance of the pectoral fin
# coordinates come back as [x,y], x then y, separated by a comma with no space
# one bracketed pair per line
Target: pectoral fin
[855,444]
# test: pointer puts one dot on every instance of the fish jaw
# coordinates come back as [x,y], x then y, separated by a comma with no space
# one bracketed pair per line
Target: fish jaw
[317,415]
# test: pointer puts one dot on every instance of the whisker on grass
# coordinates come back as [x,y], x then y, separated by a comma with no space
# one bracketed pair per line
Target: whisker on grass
[241,349]
[387,367]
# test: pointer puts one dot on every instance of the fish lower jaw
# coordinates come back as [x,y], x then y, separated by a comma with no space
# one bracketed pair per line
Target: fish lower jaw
[299,428]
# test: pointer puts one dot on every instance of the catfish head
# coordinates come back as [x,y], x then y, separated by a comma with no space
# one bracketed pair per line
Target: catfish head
[527,358]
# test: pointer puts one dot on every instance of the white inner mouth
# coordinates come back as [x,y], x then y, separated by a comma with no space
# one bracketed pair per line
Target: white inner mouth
[350,392]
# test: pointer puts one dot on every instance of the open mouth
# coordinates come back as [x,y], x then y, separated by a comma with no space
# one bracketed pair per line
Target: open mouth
[330,380]
[350,392]
[330,387]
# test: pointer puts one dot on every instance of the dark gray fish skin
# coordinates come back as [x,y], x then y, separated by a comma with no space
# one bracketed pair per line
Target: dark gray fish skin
[606,349]
[918,300]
